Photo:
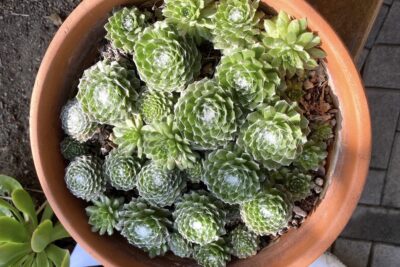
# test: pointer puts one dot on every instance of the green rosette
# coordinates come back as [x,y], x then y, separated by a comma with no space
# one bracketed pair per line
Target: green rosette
[128,135]
[180,246]
[215,254]
[242,242]
[71,148]
[155,105]
[314,153]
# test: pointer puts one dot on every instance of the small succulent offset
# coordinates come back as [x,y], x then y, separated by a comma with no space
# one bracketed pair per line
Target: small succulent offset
[312,156]
[155,105]
[249,77]
[71,148]
[206,115]
[104,214]
[214,254]
[297,183]
[124,27]
[145,226]
[231,176]
[274,135]
[26,240]
[108,91]
[180,246]
[121,170]
[291,47]
[84,177]
[165,146]
[165,60]
[159,186]
[199,218]
[128,135]
[76,123]
[195,173]
[242,242]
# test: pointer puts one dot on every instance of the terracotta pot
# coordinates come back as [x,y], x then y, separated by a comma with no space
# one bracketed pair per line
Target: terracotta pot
[69,53]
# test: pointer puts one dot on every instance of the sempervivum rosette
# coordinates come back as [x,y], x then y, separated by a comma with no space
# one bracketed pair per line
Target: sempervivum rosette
[108,91]
[166,147]
[242,242]
[159,186]
[291,47]
[165,60]
[128,135]
[195,172]
[145,227]
[206,115]
[250,78]
[180,246]
[231,175]
[199,218]
[124,27]
[155,105]
[191,16]
[84,177]
[70,148]
[76,123]
[104,214]
[268,212]
[296,182]
[121,169]
[236,24]
[214,254]
[312,156]
[274,135]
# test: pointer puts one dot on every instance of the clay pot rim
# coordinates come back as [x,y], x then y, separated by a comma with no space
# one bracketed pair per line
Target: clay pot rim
[358,142]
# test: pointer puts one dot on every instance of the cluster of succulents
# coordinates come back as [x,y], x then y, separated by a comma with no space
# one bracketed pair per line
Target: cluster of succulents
[201,165]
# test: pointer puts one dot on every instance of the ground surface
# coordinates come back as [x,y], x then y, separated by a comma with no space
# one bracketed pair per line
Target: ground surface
[372,237]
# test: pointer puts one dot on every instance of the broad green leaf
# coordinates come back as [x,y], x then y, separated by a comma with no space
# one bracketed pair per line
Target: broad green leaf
[59,232]
[23,201]
[41,237]
[4,205]
[59,257]
[12,231]
[10,251]
[317,53]
[47,213]
[41,260]
[8,185]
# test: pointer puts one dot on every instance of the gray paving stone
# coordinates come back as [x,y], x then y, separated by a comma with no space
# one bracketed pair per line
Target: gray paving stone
[384,108]
[389,2]
[352,253]
[390,32]
[391,195]
[385,256]
[374,224]
[382,67]
[361,59]
[373,188]
[377,26]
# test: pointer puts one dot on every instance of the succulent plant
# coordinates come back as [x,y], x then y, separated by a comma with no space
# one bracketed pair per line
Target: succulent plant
[312,156]
[236,24]
[128,135]
[84,177]
[321,131]
[155,105]
[292,48]
[108,91]
[199,218]
[145,226]
[165,60]
[121,170]
[104,214]
[274,135]
[124,27]
[76,123]
[248,76]
[159,186]
[268,212]
[180,246]
[242,242]
[205,115]
[232,215]
[294,88]
[231,175]
[193,17]
[297,183]
[214,254]
[195,172]
[71,148]
[164,144]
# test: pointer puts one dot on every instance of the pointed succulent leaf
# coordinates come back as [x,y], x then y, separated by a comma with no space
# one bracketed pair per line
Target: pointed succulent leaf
[71,148]
[296,182]
[155,105]
[165,60]
[205,115]
[128,135]
[124,26]
[180,246]
[242,242]
[84,177]
[214,254]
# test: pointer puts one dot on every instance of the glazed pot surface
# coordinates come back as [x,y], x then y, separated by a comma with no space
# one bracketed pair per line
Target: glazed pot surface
[73,49]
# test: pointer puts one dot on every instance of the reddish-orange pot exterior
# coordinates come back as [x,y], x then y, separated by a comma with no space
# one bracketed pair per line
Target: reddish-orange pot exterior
[348,162]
